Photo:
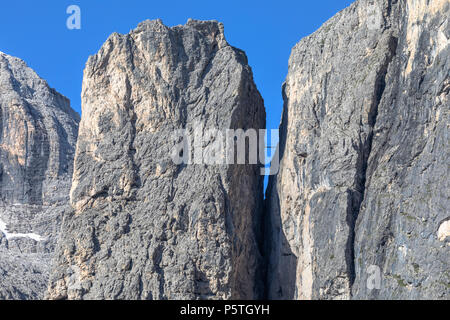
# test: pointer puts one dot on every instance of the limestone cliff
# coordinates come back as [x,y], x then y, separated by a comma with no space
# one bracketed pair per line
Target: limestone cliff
[38,131]
[358,210]
[363,184]
[144,227]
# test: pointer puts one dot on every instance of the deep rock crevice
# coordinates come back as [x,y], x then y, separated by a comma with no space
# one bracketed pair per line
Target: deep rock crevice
[356,197]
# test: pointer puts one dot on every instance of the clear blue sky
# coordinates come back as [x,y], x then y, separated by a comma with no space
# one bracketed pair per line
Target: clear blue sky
[36,32]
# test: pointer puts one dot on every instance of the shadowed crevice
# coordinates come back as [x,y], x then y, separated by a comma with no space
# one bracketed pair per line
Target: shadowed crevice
[356,197]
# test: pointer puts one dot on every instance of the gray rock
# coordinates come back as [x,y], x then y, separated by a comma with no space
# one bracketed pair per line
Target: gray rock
[143,227]
[38,132]
[363,184]
[358,210]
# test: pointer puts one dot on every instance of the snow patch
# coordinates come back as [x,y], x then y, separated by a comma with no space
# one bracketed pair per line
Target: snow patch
[444,230]
[8,235]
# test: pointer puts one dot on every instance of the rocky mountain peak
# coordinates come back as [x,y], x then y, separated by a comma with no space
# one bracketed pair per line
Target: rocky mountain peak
[143,226]
[38,132]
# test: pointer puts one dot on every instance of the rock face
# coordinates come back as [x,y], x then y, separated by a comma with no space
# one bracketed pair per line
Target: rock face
[38,132]
[363,187]
[144,227]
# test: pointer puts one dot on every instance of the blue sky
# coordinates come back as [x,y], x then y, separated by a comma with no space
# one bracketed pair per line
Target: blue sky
[36,32]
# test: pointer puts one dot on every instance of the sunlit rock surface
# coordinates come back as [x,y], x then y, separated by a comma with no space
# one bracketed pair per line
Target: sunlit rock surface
[144,227]
[38,132]
[364,150]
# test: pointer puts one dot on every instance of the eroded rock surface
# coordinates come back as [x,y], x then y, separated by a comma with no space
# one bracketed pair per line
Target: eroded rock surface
[142,226]
[38,131]
[364,154]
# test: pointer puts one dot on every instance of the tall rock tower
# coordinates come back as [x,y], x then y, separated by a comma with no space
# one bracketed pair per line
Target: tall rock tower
[143,226]
[359,208]
[38,132]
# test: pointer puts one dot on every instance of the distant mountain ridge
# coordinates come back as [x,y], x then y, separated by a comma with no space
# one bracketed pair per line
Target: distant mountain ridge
[38,132]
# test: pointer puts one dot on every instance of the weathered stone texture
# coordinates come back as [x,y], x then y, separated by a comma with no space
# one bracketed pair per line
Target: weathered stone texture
[364,157]
[142,226]
[38,131]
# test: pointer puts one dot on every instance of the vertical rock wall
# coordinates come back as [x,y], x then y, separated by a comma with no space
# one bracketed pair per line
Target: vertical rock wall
[144,227]
[364,157]
[38,132]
